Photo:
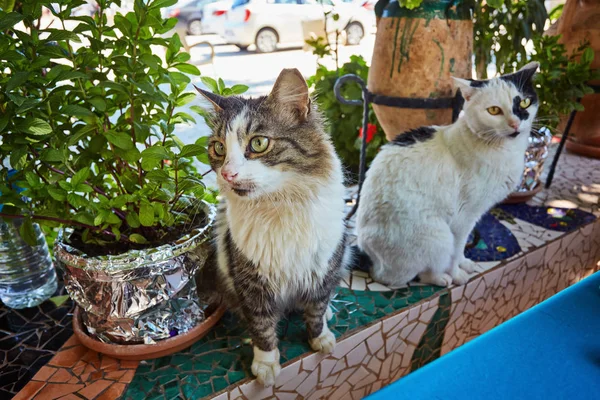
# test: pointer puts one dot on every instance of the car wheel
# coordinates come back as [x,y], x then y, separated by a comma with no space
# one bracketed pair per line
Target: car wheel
[266,41]
[354,34]
[242,48]
[195,27]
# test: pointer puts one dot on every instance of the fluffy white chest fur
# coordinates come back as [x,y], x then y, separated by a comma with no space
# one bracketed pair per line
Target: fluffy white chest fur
[290,243]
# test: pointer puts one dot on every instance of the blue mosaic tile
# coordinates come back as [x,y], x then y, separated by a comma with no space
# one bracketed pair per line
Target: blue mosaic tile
[557,219]
[491,241]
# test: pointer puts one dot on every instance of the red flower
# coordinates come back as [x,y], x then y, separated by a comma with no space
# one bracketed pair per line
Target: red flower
[371,131]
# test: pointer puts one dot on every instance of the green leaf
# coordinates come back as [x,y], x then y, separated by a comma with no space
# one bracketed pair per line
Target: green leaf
[4,121]
[119,139]
[211,84]
[80,176]
[11,19]
[221,85]
[146,214]
[178,78]
[150,60]
[185,98]
[27,232]
[114,86]
[191,150]
[187,68]
[137,238]
[65,185]
[203,158]
[119,201]
[18,157]
[76,111]
[59,300]
[16,80]
[239,89]
[132,220]
[82,187]
[158,176]
[588,56]
[162,3]
[100,218]
[98,103]
[57,194]
[59,34]
[36,127]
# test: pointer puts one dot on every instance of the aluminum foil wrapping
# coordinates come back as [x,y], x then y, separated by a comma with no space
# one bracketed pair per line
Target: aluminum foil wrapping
[535,156]
[140,296]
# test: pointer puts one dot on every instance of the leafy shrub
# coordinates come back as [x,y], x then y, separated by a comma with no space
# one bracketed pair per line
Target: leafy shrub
[345,121]
[87,118]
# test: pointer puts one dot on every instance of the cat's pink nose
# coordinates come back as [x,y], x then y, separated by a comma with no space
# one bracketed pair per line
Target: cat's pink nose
[514,124]
[228,175]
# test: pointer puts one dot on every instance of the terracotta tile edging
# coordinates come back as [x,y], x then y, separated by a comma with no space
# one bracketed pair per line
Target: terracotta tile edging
[77,371]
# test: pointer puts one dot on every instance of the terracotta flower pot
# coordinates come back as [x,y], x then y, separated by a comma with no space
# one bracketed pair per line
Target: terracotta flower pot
[416,52]
[147,351]
[579,22]
[140,296]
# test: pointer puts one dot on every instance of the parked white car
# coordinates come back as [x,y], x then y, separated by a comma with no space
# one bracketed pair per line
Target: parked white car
[214,16]
[269,23]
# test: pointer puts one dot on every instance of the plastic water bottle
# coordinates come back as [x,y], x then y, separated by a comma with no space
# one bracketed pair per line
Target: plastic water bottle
[27,275]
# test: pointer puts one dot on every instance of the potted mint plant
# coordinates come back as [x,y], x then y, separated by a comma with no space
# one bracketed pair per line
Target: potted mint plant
[87,118]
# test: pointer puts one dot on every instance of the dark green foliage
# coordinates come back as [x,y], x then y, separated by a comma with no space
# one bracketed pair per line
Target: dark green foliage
[345,121]
[87,116]
[501,30]
[562,78]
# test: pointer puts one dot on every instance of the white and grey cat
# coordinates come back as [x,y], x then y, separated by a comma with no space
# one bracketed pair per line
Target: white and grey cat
[280,230]
[425,191]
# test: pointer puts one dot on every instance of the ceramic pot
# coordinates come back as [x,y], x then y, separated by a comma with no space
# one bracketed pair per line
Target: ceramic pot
[415,54]
[141,296]
[579,22]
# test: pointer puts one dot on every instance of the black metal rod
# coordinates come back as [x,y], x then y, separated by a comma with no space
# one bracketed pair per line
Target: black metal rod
[362,169]
[563,140]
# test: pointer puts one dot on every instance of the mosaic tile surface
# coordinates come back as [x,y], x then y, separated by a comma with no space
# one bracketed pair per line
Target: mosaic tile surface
[29,338]
[224,356]
[401,329]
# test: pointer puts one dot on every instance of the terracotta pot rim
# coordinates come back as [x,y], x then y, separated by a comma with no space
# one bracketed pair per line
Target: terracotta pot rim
[146,351]
[522,197]
[587,150]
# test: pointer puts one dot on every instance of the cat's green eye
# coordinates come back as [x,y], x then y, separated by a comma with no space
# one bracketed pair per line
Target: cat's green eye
[259,144]
[219,149]
[526,102]
[494,110]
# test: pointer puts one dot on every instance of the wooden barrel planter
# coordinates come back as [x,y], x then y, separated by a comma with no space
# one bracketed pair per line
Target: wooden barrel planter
[416,52]
[580,21]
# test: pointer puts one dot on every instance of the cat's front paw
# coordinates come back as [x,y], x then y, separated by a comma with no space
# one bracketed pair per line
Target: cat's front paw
[265,366]
[324,343]
[468,266]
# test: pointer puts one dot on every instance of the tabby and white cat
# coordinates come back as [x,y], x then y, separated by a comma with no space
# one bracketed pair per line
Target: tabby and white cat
[280,226]
[425,190]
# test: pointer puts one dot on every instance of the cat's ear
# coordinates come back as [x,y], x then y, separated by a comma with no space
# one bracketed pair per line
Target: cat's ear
[466,89]
[526,72]
[216,102]
[291,93]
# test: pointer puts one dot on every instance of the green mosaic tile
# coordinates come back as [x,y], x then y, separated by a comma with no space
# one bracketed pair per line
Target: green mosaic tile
[430,346]
[223,357]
